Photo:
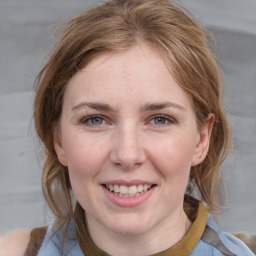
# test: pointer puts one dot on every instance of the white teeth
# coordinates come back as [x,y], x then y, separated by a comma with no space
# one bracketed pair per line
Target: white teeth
[145,188]
[116,188]
[125,191]
[132,190]
[140,188]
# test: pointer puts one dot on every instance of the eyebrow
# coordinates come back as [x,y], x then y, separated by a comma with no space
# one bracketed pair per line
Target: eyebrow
[159,106]
[94,105]
[145,108]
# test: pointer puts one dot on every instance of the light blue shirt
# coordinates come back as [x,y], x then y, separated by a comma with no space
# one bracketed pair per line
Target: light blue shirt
[220,244]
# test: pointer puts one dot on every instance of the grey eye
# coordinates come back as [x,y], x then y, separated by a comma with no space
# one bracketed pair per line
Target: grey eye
[93,120]
[96,120]
[160,120]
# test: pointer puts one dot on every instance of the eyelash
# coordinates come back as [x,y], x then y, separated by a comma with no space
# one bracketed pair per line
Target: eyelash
[164,118]
[86,120]
[90,119]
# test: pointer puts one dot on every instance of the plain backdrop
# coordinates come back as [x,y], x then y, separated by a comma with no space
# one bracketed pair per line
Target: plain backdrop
[27,29]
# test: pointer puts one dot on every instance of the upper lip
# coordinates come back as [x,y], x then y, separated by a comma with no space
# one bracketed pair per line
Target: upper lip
[127,183]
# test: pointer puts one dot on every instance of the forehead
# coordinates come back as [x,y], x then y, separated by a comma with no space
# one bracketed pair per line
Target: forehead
[150,58]
[138,73]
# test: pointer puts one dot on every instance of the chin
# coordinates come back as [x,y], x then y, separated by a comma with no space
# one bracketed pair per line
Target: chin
[130,231]
[129,226]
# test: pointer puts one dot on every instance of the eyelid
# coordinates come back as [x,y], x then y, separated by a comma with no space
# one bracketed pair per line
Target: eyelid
[87,118]
[170,119]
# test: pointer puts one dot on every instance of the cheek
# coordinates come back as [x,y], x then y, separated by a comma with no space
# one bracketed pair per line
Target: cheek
[172,160]
[173,157]
[84,156]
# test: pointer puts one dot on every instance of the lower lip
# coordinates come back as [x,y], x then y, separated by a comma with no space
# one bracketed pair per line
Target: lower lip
[128,201]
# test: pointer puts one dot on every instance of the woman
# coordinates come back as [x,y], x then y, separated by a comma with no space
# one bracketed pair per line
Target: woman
[128,109]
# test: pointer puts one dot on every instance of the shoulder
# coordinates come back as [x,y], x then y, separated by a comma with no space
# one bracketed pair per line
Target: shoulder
[15,243]
[36,240]
[224,242]
[248,239]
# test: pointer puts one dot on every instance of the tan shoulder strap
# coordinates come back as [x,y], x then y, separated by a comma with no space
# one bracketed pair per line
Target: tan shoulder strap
[36,239]
[248,239]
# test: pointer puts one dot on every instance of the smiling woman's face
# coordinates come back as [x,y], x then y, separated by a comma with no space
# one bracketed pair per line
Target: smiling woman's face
[129,137]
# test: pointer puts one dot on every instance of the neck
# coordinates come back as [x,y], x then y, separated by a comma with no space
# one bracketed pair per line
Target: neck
[157,239]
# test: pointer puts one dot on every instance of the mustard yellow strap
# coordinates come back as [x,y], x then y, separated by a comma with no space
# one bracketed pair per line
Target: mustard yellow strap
[182,248]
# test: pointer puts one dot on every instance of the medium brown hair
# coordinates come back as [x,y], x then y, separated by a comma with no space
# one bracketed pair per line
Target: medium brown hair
[115,26]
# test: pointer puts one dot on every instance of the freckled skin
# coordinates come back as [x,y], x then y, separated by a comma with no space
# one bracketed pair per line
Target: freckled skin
[129,143]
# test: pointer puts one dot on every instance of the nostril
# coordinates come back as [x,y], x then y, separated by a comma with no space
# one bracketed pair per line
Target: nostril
[127,151]
[128,160]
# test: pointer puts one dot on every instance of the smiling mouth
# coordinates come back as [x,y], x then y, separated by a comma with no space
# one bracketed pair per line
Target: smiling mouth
[128,191]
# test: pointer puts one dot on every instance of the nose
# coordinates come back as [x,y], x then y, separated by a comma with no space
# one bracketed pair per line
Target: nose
[127,151]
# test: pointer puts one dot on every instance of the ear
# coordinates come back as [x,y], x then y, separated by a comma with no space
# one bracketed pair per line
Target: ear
[203,142]
[59,147]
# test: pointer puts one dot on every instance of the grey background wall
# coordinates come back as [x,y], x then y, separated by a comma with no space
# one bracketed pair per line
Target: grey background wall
[27,36]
